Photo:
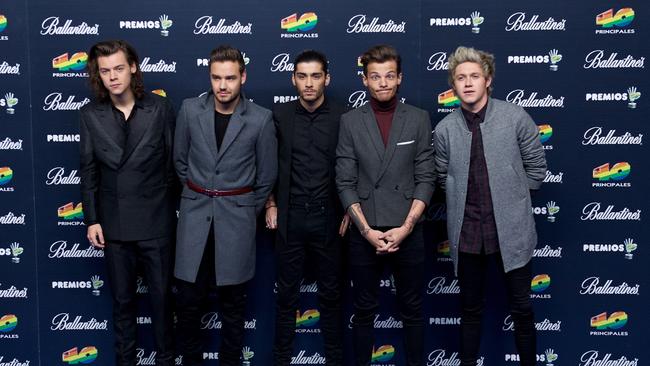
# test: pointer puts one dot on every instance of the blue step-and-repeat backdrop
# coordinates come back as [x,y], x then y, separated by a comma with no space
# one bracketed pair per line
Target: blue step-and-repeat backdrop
[578,67]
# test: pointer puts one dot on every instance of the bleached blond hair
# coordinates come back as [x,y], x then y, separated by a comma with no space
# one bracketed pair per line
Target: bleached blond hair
[468,54]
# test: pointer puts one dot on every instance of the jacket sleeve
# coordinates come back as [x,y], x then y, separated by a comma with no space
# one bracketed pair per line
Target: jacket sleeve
[266,162]
[532,152]
[442,157]
[170,126]
[347,173]
[89,172]
[424,169]
[181,143]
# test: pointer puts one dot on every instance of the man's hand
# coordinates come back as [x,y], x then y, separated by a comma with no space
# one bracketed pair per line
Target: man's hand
[96,236]
[345,224]
[394,238]
[272,217]
[374,238]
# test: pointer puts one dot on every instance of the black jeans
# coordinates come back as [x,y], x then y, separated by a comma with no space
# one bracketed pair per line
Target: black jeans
[190,303]
[155,258]
[408,270]
[472,270]
[308,234]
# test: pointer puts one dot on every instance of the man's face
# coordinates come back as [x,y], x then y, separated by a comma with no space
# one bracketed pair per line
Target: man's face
[310,80]
[116,73]
[470,85]
[226,81]
[382,80]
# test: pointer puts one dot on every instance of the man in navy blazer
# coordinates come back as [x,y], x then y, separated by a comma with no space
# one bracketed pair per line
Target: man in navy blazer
[128,189]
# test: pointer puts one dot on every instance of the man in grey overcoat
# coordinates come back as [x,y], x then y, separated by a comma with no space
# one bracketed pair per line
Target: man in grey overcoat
[225,156]
[488,158]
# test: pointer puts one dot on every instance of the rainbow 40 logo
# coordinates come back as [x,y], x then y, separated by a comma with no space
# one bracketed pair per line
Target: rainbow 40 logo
[308,318]
[621,18]
[306,22]
[618,171]
[383,354]
[8,323]
[73,356]
[617,320]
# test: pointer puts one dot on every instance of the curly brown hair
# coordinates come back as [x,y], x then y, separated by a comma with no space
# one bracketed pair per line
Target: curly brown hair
[107,48]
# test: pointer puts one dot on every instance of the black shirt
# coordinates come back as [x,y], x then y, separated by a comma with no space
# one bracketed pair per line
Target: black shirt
[309,155]
[124,123]
[220,125]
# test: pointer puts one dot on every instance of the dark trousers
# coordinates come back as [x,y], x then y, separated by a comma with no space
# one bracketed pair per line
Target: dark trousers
[190,305]
[155,258]
[308,234]
[367,267]
[472,270]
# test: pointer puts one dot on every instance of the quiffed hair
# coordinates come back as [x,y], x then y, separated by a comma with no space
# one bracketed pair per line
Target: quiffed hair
[225,53]
[380,54]
[309,56]
[468,54]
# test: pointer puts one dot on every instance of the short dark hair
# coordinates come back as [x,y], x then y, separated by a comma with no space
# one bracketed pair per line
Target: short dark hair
[380,54]
[225,53]
[107,48]
[311,56]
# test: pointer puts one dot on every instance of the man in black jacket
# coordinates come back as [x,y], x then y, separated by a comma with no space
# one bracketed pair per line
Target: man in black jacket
[127,188]
[305,207]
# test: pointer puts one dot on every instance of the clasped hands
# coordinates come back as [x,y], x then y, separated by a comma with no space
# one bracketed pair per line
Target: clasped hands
[386,242]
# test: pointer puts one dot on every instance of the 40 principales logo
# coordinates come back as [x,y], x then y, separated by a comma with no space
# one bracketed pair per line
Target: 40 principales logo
[475,20]
[8,323]
[610,22]
[609,325]
[9,102]
[299,27]
[74,356]
[538,285]
[3,26]
[612,176]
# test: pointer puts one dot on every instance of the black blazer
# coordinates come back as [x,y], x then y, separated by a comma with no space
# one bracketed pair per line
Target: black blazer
[130,191]
[284,118]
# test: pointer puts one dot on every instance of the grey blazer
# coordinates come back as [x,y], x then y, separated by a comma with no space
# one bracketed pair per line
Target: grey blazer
[385,179]
[247,157]
[515,164]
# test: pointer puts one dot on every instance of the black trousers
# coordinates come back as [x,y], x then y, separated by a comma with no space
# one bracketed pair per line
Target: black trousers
[472,271]
[407,265]
[190,306]
[309,235]
[155,258]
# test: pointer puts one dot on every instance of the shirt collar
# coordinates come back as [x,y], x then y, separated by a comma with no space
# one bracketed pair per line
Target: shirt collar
[471,116]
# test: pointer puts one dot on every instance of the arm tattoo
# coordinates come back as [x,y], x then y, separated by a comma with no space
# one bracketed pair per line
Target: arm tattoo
[355,214]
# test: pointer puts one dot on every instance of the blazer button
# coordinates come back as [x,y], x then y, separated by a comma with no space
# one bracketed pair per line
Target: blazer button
[376,186]
[216,172]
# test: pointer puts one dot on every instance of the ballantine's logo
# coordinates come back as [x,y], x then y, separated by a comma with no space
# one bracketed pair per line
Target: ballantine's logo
[438,62]
[9,101]
[544,325]
[50,27]
[357,24]
[437,358]
[70,212]
[609,325]
[548,252]
[281,63]
[293,25]
[14,362]
[57,176]
[439,286]
[475,20]
[517,97]
[160,66]
[59,249]
[617,172]
[55,102]
[11,219]
[302,359]
[7,69]
[553,178]
[163,23]
[8,323]
[388,323]
[203,25]
[62,321]
[591,212]
[307,319]
[6,174]
[8,144]
[78,61]
[594,136]
[382,354]
[590,358]
[609,21]
[592,286]
[210,321]
[517,22]
[310,287]
[596,60]
[540,283]
[73,356]
[141,286]
[13,293]
[545,134]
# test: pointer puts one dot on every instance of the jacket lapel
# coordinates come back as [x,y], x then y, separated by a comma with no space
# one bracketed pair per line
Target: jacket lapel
[370,122]
[234,127]
[206,123]
[138,125]
[397,125]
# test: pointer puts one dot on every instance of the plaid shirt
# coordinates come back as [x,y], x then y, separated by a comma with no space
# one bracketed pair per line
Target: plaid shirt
[479,231]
